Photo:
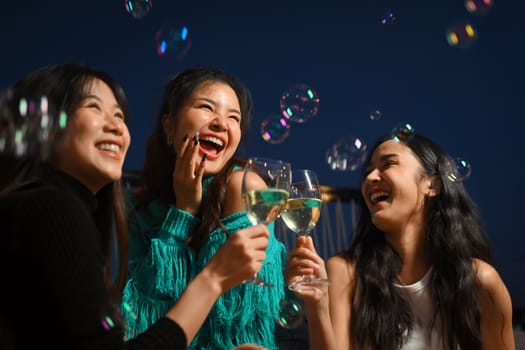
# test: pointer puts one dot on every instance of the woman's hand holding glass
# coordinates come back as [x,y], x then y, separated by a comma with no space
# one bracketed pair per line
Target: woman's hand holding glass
[303,260]
[301,213]
[240,256]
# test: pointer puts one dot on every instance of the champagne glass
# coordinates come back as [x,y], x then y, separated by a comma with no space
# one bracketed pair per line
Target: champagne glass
[301,213]
[265,187]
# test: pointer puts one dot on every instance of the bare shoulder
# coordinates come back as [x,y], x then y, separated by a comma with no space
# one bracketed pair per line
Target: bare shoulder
[493,294]
[341,269]
[495,307]
[488,277]
[252,181]
[235,181]
[340,263]
[233,198]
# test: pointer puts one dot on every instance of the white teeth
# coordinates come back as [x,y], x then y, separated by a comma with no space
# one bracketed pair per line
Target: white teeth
[214,140]
[109,147]
[376,195]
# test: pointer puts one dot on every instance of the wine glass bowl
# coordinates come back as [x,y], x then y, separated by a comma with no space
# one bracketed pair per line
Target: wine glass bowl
[301,213]
[265,187]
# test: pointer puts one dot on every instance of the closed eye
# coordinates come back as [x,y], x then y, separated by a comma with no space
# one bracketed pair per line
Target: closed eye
[119,115]
[388,164]
[206,106]
[236,118]
[93,105]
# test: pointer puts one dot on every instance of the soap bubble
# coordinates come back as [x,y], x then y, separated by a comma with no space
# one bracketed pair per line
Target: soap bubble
[291,314]
[403,132]
[275,129]
[458,169]
[347,154]
[299,103]
[461,35]
[138,8]
[173,40]
[375,115]
[28,125]
[479,7]
[388,18]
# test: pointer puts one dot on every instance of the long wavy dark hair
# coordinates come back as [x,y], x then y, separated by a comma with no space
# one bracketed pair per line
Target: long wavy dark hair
[454,236]
[157,174]
[65,86]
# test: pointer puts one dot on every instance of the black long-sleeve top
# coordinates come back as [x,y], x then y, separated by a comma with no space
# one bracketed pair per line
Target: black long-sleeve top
[52,291]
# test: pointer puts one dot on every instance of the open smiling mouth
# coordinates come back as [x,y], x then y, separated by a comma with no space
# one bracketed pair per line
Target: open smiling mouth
[211,145]
[379,196]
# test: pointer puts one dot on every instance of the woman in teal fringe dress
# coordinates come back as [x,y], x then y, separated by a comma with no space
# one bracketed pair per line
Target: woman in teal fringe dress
[188,204]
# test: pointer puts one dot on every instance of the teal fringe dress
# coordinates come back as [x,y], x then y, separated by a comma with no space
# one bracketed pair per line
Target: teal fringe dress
[161,266]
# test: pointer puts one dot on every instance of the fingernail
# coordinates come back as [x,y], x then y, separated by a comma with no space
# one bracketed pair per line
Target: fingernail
[196,138]
[185,137]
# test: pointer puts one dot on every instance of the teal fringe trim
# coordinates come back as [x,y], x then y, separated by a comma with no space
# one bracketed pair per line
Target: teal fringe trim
[155,284]
[247,313]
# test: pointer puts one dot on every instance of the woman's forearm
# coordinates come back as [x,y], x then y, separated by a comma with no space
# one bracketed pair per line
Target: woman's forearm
[195,303]
[320,331]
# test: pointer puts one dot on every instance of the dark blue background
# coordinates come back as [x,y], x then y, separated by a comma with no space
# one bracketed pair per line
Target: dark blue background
[469,100]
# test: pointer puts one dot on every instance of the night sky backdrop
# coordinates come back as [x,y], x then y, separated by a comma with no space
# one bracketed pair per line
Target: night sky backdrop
[470,100]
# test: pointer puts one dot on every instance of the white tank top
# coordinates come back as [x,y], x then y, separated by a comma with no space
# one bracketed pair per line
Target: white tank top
[422,336]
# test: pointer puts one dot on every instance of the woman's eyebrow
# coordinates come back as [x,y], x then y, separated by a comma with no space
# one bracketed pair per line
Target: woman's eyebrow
[389,155]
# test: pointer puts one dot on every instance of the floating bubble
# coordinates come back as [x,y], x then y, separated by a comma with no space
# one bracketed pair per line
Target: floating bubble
[458,169]
[479,7]
[461,35]
[173,40]
[388,18]
[108,323]
[347,154]
[376,115]
[275,129]
[403,132]
[138,8]
[300,103]
[111,316]
[291,314]
[28,125]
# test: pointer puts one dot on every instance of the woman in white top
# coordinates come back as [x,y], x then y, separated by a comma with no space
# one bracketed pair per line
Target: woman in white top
[417,275]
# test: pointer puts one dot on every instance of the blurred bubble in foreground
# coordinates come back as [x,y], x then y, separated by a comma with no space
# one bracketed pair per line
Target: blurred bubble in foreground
[28,125]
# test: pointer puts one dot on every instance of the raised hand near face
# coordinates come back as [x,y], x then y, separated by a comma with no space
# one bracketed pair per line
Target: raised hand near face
[187,175]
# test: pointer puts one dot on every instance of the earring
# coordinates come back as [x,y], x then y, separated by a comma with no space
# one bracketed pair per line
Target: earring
[169,141]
